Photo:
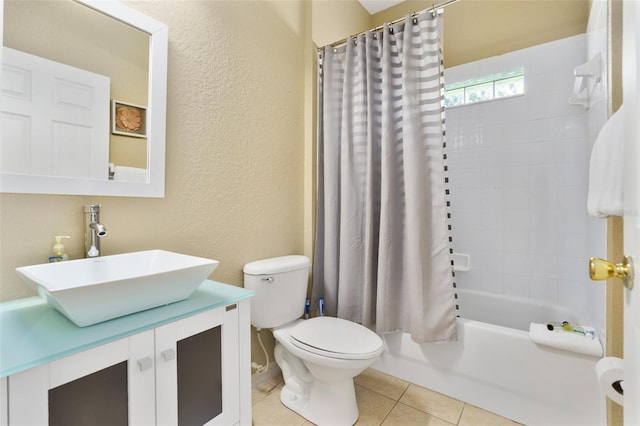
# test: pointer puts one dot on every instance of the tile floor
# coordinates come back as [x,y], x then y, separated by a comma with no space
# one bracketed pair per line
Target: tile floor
[382,400]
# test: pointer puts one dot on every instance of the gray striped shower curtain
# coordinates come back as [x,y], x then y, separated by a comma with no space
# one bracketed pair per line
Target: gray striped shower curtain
[382,250]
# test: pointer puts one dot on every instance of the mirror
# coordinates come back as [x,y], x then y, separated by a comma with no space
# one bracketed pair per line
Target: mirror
[136,110]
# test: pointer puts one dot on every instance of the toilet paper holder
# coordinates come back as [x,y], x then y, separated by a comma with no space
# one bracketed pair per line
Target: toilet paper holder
[610,374]
[617,386]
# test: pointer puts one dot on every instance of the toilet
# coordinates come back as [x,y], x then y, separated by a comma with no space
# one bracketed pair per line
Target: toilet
[319,357]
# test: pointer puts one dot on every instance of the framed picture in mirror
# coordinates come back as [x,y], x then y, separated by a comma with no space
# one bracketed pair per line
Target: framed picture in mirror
[128,119]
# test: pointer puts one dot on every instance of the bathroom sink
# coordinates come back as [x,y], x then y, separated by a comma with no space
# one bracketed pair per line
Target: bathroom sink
[89,291]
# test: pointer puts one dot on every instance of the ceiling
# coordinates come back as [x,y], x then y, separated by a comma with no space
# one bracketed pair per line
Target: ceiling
[375,6]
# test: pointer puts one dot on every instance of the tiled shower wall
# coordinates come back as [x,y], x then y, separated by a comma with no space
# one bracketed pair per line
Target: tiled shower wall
[518,173]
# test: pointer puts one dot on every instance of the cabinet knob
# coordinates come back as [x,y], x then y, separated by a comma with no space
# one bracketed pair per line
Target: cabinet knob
[145,363]
[168,354]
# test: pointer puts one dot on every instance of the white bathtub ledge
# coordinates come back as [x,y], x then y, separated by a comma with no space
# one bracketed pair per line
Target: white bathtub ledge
[566,341]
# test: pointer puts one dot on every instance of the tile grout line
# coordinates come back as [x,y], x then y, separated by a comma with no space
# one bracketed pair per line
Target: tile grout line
[387,415]
[431,414]
[275,386]
[397,401]
[464,405]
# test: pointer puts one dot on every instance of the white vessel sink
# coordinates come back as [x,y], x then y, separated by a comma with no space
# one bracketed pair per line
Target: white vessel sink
[89,291]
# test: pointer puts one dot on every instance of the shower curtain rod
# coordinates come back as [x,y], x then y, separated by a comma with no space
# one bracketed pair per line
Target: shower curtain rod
[433,8]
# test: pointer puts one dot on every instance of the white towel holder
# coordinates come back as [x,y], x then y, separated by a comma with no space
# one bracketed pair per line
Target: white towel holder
[587,76]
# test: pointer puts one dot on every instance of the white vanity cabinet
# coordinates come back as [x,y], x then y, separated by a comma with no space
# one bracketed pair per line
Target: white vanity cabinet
[190,369]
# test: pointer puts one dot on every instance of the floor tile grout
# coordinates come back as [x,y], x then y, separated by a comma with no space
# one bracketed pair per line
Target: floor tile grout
[387,415]
[379,382]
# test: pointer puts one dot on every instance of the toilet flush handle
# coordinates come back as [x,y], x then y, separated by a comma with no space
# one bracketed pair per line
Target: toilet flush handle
[269,279]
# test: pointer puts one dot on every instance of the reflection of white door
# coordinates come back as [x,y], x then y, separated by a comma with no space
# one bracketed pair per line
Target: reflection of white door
[631,80]
[55,118]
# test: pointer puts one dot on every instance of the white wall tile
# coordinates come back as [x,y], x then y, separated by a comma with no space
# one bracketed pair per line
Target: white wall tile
[516,59]
[571,174]
[544,289]
[517,243]
[575,295]
[543,58]
[466,281]
[518,171]
[540,83]
[516,220]
[573,269]
[573,245]
[571,126]
[543,152]
[543,129]
[492,282]
[491,65]
[543,247]
[516,198]
[543,106]
[516,176]
[571,150]
[543,198]
[544,221]
[515,132]
[516,154]
[517,264]
[516,284]
[544,175]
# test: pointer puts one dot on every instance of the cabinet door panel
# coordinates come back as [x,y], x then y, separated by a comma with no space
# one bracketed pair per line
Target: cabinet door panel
[75,386]
[98,399]
[199,367]
[67,369]
[214,365]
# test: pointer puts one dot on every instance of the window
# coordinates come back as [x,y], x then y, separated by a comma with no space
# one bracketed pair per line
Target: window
[486,88]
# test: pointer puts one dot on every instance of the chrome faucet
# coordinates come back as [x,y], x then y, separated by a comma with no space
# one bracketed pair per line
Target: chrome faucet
[93,230]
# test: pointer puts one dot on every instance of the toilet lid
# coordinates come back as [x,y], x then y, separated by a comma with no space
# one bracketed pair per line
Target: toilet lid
[336,338]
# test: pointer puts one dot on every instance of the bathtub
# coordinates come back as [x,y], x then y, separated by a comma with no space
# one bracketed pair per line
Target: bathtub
[498,368]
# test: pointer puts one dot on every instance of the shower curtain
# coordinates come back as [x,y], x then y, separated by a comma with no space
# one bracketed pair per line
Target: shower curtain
[382,253]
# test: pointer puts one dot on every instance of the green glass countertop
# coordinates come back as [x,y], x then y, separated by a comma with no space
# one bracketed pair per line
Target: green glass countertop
[34,333]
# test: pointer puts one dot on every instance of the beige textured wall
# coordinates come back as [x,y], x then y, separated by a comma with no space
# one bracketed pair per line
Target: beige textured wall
[234,175]
[476,29]
[334,20]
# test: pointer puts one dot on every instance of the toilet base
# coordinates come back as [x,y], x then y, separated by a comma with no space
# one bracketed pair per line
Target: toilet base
[331,404]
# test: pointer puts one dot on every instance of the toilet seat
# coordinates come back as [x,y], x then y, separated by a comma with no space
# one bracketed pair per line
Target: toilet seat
[336,338]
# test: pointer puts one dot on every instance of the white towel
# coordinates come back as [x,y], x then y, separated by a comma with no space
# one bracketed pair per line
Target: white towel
[130,174]
[605,169]
[565,340]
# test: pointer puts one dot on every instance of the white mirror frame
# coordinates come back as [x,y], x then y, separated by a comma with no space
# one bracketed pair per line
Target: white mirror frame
[156,120]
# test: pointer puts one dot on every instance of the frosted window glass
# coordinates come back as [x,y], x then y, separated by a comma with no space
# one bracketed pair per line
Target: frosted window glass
[454,97]
[485,88]
[509,87]
[480,92]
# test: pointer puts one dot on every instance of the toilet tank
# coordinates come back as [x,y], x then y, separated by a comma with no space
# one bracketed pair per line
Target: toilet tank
[280,284]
